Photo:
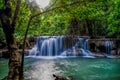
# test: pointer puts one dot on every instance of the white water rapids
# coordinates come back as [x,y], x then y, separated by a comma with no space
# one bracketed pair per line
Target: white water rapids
[42,70]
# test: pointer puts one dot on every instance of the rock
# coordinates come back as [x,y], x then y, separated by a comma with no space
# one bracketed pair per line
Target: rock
[101,48]
[118,52]
[92,47]
[79,52]
[61,77]
[0,54]
[113,52]
[99,55]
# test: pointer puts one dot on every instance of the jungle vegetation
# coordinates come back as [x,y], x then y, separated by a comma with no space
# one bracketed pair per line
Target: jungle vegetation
[83,18]
[96,17]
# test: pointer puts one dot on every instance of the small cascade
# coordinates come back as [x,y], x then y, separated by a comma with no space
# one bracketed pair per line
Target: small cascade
[108,45]
[82,44]
[33,51]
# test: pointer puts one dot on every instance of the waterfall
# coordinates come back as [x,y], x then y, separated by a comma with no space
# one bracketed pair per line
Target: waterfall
[56,46]
[60,46]
[83,45]
[108,45]
[47,46]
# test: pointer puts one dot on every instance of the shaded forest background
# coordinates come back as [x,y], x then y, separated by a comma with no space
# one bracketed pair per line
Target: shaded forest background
[88,18]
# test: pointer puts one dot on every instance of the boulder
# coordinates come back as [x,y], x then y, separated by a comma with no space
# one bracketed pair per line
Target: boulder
[113,52]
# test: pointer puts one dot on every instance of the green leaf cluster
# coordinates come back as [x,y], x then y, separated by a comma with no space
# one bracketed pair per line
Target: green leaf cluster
[114,19]
[2,4]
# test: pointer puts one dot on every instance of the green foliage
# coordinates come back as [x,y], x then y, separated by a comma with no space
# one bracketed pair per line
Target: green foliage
[114,19]
[58,22]
[2,2]
[53,24]
[104,16]
[22,21]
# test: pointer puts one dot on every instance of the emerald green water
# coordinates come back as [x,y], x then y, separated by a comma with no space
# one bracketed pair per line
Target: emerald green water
[91,69]
[3,68]
[77,68]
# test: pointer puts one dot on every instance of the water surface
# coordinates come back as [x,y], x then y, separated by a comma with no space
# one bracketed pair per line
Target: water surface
[77,68]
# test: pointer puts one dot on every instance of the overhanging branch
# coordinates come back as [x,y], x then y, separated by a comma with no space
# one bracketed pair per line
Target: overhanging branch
[77,2]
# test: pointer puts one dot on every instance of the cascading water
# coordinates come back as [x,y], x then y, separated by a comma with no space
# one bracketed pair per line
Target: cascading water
[47,46]
[59,46]
[83,45]
[108,45]
[55,46]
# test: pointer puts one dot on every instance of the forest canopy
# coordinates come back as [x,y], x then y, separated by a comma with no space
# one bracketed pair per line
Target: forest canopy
[94,17]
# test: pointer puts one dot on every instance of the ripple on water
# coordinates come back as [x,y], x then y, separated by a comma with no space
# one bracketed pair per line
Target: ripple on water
[102,65]
[43,71]
[79,69]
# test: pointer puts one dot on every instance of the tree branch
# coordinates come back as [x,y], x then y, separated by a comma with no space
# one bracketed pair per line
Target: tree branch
[51,5]
[1,12]
[23,51]
[7,10]
[16,14]
[77,2]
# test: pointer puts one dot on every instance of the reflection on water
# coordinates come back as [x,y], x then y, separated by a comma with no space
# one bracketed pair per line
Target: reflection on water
[77,68]
[43,70]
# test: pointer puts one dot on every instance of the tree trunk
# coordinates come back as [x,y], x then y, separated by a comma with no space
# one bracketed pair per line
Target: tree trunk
[14,59]
[89,27]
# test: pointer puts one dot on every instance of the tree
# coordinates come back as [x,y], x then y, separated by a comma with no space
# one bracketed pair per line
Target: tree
[114,19]
[88,14]
[9,29]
